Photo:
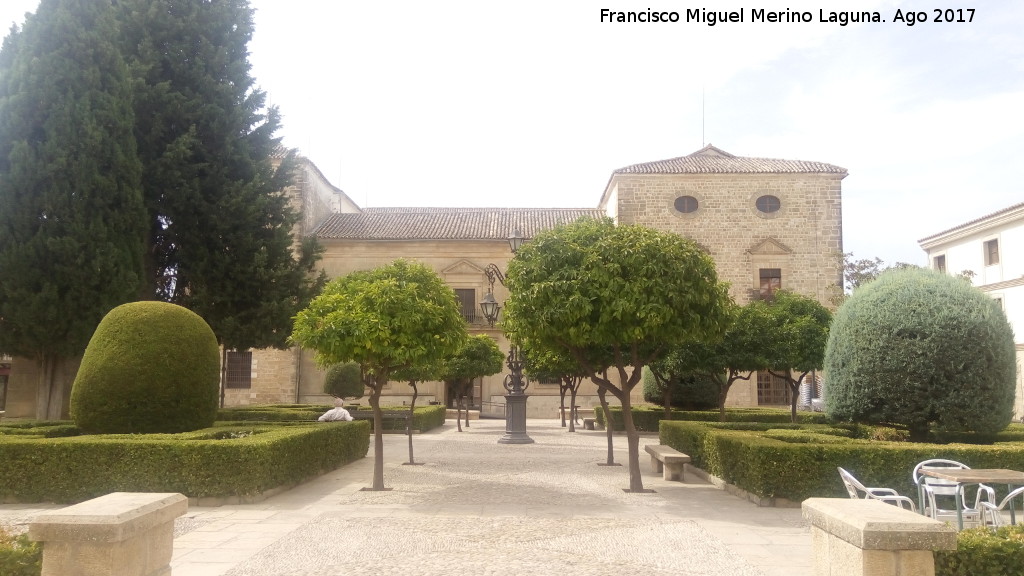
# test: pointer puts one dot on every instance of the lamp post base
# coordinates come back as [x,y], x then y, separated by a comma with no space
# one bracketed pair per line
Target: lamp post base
[515,420]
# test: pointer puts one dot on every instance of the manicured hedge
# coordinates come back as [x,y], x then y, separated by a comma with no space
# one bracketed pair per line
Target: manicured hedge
[646,418]
[273,413]
[772,461]
[226,460]
[424,417]
[983,552]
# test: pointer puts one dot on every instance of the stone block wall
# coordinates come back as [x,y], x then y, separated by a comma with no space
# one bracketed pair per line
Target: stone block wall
[803,238]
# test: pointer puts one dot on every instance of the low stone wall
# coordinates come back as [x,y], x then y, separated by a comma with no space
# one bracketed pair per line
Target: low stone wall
[871,538]
[120,534]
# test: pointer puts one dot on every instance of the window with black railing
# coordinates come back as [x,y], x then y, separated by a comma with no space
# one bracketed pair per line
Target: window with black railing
[467,303]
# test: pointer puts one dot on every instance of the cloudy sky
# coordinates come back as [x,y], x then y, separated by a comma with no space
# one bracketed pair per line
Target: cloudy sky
[535,103]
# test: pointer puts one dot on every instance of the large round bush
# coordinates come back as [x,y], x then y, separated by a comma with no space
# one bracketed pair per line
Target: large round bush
[344,380]
[920,348]
[689,392]
[150,367]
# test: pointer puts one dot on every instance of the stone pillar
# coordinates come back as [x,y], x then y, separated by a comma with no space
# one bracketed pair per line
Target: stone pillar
[872,538]
[120,534]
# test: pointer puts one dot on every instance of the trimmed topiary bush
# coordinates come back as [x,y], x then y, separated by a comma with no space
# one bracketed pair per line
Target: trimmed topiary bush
[689,392]
[150,367]
[919,348]
[344,380]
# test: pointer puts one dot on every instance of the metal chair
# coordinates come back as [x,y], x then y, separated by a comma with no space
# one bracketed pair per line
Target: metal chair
[994,513]
[932,493]
[854,488]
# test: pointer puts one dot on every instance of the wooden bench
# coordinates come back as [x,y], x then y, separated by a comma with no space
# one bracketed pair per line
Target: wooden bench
[667,460]
[588,423]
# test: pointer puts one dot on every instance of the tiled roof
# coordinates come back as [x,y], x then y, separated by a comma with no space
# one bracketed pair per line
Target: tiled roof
[711,160]
[975,221]
[448,223]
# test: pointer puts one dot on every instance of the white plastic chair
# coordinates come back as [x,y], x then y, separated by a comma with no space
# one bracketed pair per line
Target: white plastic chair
[937,497]
[854,488]
[994,512]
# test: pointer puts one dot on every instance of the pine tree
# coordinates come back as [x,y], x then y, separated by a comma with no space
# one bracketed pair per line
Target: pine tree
[72,219]
[220,229]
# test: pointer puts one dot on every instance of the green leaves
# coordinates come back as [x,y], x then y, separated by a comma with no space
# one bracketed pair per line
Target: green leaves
[918,347]
[71,212]
[592,286]
[395,317]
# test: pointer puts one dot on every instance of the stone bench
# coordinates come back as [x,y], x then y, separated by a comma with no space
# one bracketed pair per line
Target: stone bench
[588,423]
[120,534]
[667,460]
[872,538]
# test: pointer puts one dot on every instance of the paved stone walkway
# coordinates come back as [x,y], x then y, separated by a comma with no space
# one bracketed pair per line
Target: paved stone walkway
[479,507]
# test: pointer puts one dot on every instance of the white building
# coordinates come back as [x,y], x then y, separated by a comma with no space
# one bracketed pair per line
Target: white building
[993,248]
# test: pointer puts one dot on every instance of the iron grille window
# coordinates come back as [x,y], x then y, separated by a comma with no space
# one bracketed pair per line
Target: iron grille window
[940,263]
[467,303]
[239,370]
[772,390]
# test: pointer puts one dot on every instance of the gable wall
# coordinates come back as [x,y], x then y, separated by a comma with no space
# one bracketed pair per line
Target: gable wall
[728,224]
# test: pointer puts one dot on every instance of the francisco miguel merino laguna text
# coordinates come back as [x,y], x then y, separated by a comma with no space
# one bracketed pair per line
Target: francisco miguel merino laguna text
[842,17]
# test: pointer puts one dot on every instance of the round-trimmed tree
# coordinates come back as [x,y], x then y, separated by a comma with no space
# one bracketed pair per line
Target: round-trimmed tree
[920,348]
[150,367]
[344,380]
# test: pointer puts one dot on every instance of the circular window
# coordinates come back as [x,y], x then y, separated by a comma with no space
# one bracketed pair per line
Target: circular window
[686,204]
[768,204]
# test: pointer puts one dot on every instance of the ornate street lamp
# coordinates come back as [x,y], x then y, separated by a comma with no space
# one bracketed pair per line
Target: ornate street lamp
[515,385]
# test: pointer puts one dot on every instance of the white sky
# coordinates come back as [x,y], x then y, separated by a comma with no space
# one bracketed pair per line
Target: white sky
[535,103]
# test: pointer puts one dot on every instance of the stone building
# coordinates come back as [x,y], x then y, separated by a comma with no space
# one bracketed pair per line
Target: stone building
[993,248]
[768,224]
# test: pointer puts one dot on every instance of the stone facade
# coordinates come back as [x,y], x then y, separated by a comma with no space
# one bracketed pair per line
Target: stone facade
[798,238]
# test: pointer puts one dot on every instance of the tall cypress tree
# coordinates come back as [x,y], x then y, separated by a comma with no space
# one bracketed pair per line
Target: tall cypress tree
[220,229]
[72,219]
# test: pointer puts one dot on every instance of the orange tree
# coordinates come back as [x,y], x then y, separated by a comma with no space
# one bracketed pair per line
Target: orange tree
[388,319]
[478,357]
[612,297]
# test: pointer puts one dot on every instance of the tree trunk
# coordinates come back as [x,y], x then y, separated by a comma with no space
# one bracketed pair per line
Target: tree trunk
[794,389]
[465,398]
[572,408]
[601,391]
[408,423]
[378,434]
[49,395]
[223,372]
[723,393]
[458,410]
[666,399]
[561,410]
[636,482]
